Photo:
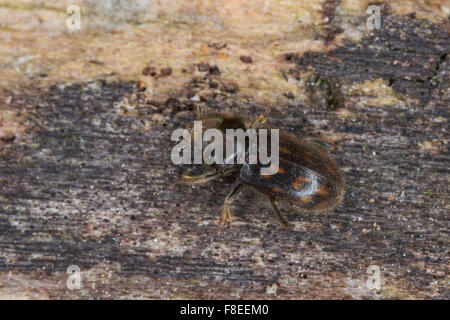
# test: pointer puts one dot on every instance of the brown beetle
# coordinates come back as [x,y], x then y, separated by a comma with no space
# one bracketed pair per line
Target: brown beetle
[307,177]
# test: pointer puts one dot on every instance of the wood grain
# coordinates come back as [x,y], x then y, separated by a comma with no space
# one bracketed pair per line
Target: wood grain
[89,185]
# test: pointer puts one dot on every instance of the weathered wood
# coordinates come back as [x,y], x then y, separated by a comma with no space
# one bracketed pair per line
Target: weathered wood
[91,186]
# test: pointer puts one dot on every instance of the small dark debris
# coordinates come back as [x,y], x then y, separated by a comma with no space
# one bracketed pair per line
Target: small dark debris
[289,95]
[203,67]
[96,62]
[149,71]
[217,45]
[289,56]
[214,70]
[166,72]
[173,104]
[231,87]
[8,138]
[213,85]
[142,87]
[206,67]
[246,59]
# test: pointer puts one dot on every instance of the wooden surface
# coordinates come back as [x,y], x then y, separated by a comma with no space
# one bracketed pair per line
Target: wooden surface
[88,184]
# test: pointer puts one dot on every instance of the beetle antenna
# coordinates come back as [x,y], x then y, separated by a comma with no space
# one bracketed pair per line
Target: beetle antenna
[267,111]
[198,111]
[262,118]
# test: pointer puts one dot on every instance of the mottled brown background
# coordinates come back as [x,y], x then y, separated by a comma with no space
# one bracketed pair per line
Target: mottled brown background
[85,171]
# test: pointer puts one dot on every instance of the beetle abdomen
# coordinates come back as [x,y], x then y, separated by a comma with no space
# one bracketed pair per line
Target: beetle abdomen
[307,176]
[293,183]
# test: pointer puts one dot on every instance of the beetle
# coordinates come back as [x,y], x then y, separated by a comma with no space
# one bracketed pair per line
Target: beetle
[307,176]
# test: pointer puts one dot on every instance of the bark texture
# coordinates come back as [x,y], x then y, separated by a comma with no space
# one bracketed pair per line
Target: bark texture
[89,183]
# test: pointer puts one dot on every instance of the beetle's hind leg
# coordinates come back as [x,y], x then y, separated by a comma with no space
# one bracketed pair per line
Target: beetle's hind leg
[279,216]
[226,213]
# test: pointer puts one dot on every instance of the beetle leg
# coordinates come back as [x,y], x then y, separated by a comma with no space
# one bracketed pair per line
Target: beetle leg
[226,213]
[279,216]
[203,178]
[261,119]
[323,144]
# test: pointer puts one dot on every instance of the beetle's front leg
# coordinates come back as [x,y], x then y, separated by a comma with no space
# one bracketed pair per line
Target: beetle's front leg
[226,213]
[206,177]
[203,178]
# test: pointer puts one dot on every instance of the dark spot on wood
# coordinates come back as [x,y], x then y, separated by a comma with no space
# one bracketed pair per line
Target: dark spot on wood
[246,59]
[214,70]
[99,63]
[289,95]
[291,56]
[164,72]
[231,87]
[217,45]
[8,138]
[149,71]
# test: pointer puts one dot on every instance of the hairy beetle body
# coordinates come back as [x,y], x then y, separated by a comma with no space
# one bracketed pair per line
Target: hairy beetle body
[307,176]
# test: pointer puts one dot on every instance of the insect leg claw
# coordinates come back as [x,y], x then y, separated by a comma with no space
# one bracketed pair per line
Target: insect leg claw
[225,220]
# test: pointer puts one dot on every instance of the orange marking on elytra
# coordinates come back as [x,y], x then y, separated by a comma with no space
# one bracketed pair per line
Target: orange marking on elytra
[278,190]
[306,199]
[322,191]
[298,182]
[296,185]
